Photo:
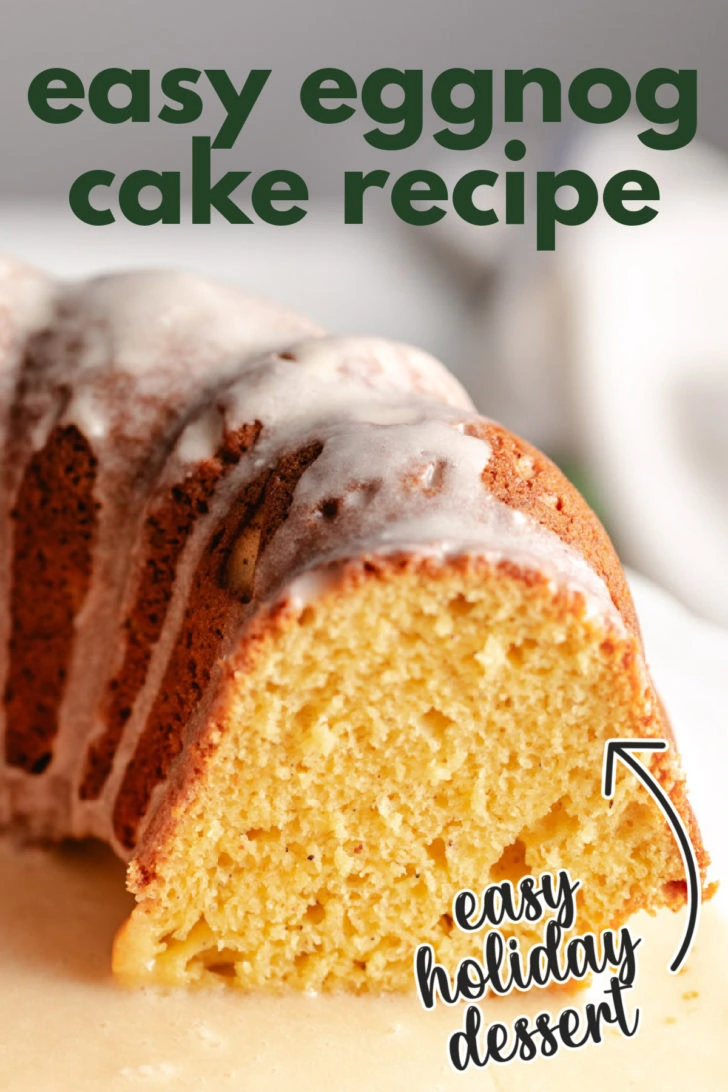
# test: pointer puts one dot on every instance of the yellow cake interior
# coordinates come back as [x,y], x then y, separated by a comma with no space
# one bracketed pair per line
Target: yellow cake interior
[416,730]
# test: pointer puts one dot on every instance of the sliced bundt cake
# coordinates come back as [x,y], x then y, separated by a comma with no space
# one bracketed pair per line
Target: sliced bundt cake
[308,641]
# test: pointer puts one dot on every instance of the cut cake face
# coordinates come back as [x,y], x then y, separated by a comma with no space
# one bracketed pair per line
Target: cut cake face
[416,729]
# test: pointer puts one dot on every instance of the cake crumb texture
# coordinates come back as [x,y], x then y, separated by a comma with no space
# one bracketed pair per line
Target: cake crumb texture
[416,731]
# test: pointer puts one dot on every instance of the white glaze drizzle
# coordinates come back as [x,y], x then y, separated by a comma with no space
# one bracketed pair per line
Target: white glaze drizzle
[139,352]
[426,497]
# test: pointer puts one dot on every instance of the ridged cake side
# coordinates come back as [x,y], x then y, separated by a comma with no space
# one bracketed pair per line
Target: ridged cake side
[101,382]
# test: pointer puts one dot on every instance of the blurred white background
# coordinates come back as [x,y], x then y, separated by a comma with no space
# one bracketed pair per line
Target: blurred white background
[612,353]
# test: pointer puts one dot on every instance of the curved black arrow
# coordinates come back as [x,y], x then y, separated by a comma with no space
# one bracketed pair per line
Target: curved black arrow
[620,748]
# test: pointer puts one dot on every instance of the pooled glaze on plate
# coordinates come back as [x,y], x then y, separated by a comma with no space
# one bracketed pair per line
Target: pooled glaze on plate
[67,1027]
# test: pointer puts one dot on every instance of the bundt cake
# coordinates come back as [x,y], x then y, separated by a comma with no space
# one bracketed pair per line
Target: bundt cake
[310,643]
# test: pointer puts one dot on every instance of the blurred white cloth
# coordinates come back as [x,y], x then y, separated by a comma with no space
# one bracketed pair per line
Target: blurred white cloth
[613,351]
[649,335]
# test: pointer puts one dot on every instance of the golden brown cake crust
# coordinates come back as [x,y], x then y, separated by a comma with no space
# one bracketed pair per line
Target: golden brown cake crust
[525,479]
